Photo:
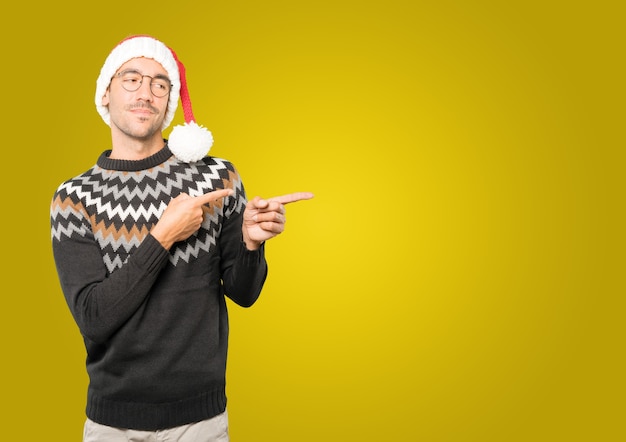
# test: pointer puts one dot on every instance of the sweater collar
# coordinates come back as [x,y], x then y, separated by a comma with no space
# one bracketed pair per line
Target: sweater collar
[134,165]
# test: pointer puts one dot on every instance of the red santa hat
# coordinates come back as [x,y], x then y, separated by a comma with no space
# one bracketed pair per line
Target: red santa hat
[189,142]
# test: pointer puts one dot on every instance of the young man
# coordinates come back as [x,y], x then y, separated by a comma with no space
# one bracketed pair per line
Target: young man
[147,244]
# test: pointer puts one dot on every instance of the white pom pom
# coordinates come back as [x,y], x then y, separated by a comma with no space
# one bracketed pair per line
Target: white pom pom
[190,142]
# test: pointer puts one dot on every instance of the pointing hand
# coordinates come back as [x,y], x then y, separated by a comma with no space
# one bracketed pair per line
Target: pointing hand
[183,216]
[265,218]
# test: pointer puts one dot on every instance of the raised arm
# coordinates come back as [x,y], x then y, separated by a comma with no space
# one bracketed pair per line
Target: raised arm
[100,300]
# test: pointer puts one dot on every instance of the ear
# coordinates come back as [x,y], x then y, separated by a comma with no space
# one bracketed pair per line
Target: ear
[105,98]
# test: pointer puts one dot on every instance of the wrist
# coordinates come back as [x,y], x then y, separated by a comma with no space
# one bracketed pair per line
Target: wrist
[161,237]
[252,245]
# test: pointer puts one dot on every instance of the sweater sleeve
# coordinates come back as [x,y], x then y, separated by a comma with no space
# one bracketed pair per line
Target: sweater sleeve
[243,271]
[99,301]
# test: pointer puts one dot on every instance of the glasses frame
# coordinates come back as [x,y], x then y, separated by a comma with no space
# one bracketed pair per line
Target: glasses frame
[133,71]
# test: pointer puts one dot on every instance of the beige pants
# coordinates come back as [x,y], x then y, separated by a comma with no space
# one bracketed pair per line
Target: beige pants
[210,430]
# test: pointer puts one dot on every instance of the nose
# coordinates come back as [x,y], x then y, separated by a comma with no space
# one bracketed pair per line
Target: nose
[144,90]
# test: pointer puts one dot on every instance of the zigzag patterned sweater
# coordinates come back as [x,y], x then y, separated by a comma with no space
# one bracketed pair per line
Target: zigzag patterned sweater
[154,321]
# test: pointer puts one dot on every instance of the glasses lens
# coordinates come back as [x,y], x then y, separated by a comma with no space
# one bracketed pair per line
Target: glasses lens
[131,81]
[160,87]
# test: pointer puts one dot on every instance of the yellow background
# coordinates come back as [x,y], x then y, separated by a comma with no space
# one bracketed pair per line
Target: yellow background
[459,275]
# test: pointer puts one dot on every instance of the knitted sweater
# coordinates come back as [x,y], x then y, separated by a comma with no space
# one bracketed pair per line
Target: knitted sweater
[154,321]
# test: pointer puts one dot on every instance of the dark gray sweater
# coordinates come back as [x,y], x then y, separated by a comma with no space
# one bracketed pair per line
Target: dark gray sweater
[154,321]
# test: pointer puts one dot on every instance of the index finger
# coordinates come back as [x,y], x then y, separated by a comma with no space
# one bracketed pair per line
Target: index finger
[213,196]
[292,197]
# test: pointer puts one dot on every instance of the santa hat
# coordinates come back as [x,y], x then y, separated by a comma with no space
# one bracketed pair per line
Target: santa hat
[189,142]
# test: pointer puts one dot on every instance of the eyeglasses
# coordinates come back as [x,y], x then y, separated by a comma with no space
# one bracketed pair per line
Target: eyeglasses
[132,81]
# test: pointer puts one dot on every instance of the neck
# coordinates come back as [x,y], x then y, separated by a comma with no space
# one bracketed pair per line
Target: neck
[125,148]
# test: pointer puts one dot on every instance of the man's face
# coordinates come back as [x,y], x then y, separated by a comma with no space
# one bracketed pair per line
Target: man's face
[138,114]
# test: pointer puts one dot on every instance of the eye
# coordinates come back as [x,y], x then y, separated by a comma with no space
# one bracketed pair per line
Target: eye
[131,77]
[160,87]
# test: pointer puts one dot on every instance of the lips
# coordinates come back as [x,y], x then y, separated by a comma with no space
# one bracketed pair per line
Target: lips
[142,109]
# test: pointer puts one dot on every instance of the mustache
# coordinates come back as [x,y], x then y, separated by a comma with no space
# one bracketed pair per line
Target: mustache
[142,106]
